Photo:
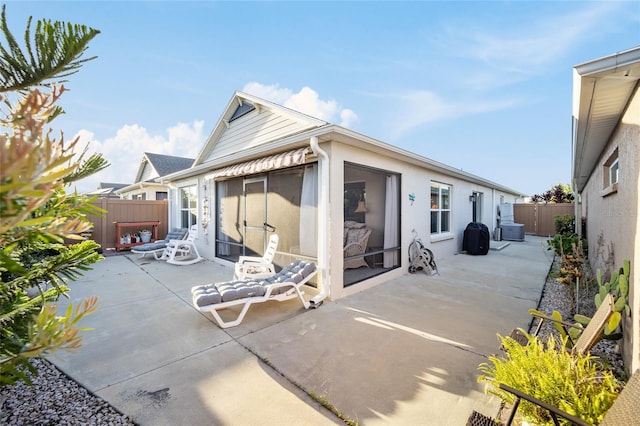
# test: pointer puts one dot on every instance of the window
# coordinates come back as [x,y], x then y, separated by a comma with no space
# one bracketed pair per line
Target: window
[162,195]
[440,208]
[139,196]
[188,206]
[611,173]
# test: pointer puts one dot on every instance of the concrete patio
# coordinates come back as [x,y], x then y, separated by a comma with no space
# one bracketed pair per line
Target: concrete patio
[403,353]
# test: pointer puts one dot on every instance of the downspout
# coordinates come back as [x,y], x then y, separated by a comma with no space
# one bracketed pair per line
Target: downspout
[324,236]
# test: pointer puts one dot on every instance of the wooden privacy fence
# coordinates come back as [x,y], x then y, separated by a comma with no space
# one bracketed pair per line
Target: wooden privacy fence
[104,228]
[538,218]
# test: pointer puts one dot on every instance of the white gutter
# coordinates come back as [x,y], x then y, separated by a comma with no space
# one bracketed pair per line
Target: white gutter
[324,235]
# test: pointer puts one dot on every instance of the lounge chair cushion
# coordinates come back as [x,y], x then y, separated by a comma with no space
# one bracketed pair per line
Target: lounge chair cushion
[151,246]
[210,294]
[176,234]
[205,295]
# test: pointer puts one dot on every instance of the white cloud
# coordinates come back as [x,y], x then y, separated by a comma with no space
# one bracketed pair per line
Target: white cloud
[417,108]
[124,151]
[524,49]
[306,101]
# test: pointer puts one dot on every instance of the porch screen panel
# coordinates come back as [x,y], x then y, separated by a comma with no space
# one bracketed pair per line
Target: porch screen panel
[283,200]
[228,219]
[255,212]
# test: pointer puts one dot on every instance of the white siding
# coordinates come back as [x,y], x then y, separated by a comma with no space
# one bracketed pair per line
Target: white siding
[254,129]
[148,173]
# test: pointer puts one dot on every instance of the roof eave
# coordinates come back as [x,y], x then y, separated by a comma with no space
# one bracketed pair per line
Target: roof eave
[340,134]
[622,67]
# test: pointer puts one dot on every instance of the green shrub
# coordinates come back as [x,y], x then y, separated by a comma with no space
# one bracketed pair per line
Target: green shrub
[575,383]
[564,224]
[565,240]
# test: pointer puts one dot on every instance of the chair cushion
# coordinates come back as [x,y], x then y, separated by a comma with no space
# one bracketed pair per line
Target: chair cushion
[207,294]
[176,234]
[151,246]
[356,235]
[210,294]
[233,290]
[353,225]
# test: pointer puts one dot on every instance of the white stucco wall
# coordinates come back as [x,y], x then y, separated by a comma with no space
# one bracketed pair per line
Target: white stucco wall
[413,215]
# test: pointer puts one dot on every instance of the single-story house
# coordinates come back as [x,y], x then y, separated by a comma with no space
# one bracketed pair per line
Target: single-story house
[152,167]
[319,186]
[606,172]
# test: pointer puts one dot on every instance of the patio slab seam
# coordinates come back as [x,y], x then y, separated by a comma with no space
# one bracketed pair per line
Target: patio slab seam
[158,367]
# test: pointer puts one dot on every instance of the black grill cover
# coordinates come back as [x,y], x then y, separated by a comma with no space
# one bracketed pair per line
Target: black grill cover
[476,238]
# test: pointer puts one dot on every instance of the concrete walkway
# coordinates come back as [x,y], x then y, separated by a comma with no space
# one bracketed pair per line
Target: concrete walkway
[403,353]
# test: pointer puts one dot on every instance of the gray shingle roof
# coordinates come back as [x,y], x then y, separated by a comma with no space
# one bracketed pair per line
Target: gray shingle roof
[166,164]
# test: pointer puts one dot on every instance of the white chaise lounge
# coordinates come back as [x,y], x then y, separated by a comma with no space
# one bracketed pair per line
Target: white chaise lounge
[284,285]
[257,267]
[156,248]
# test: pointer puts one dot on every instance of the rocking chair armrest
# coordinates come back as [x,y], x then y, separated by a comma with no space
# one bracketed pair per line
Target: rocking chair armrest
[348,246]
[553,411]
[252,259]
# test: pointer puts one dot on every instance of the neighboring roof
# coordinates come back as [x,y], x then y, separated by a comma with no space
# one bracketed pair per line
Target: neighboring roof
[154,166]
[602,90]
[107,185]
[106,189]
[162,165]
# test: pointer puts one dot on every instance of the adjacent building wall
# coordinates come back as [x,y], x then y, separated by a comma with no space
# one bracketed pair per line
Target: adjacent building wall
[612,217]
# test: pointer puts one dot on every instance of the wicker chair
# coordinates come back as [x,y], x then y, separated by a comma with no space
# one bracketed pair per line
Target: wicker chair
[356,240]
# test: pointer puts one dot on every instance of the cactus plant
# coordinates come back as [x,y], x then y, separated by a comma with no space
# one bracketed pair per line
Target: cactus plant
[618,285]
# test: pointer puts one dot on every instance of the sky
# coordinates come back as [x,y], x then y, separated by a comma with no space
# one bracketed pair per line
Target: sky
[482,86]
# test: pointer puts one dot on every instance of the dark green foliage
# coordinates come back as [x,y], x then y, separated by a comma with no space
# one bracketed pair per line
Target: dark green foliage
[565,239]
[557,194]
[53,53]
[36,213]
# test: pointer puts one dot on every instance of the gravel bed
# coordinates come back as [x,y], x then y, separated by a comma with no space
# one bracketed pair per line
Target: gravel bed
[55,399]
[561,297]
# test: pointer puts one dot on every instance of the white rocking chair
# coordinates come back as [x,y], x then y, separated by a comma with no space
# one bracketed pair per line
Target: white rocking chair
[183,252]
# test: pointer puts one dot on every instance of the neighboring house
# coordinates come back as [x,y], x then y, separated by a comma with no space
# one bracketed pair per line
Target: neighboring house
[107,190]
[606,172]
[153,166]
[266,168]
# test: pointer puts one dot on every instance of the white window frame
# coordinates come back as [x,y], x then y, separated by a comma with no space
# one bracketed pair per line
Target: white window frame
[190,209]
[439,209]
[613,172]
[610,174]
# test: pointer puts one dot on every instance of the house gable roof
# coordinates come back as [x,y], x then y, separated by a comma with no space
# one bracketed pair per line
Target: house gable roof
[602,90]
[249,121]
